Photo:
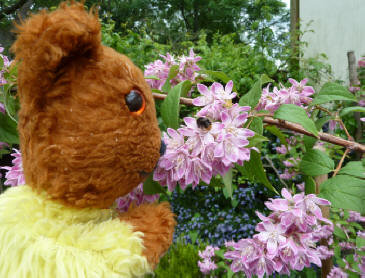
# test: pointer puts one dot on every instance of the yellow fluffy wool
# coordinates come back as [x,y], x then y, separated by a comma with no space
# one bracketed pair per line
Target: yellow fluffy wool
[42,238]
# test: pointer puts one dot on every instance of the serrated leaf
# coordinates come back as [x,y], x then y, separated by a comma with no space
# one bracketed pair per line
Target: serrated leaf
[253,170]
[253,96]
[310,185]
[227,181]
[8,130]
[219,253]
[339,232]
[295,114]
[151,187]
[256,140]
[315,163]
[354,168]
[170,107]
[360,242]
[309,142]
[277,132]
[352,109]
[332,91]
[344,192]
[174,70]
[256,125]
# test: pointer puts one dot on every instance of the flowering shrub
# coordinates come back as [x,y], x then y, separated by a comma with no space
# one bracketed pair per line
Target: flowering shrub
[223,142]
[195,152]
[286,240]
[172,70]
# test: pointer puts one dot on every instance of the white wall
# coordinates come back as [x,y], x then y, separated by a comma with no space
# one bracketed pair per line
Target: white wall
[339,26]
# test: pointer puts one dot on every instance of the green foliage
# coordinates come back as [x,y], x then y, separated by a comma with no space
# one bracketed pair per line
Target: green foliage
[345,192]
[180,261]
[315,163]
[295,114]
[332,91]
[253,96]
[253,170]
[170,107]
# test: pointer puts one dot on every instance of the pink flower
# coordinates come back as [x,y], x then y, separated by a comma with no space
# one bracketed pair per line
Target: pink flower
[213,99]
[137,197]
[281,150]
[14,175]
[361,62]
[337,272]
[273,237]
[2,108]
[187,70]
[208,252]
[207,266]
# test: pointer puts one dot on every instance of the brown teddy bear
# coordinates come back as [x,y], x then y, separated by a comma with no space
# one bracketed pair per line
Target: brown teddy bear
[88,134]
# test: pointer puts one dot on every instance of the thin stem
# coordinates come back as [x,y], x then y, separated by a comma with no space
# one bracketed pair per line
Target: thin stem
[338,168]
[324,110]
[275,170]
[345,129]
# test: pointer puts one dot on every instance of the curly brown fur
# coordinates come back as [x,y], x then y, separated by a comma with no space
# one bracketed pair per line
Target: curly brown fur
[78,139]
[157,224]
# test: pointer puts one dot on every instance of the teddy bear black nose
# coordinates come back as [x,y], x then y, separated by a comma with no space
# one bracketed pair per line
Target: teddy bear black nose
[162,148]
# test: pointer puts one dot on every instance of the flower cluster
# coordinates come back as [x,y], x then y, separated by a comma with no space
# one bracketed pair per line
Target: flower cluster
[297,94]
[187,70]
[207,265]
[6,63]
[14,175]
[286,240]
[208,145]
[135,197]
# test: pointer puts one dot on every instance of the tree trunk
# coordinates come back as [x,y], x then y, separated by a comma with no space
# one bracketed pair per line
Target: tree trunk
[355,81]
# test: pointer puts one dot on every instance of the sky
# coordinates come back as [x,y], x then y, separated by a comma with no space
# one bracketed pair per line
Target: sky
[287,2]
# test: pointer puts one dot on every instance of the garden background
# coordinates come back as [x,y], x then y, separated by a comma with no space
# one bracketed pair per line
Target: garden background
[252,44]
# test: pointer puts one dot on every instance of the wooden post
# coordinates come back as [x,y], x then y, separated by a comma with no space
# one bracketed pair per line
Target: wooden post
[294,35]
[326,264]
[355,81]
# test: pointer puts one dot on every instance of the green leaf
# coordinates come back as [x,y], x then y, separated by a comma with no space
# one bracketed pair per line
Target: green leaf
[170,107]
[310,185]
[253,170]
[151,187]
[309,142]
[295,114]
[344,192]
[332,91]
[253,96]
[360,242]
[227,180]
[257,125]
[277,132]
[352,109]
[256,140]
[315,163]
[354,168]
[339,232]
[174,70]
[154,77]
[8,130]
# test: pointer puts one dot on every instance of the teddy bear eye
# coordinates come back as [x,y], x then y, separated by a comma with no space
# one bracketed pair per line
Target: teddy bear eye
[135,102]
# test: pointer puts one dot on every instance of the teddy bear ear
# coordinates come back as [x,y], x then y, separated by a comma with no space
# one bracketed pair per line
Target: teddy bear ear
[47,40]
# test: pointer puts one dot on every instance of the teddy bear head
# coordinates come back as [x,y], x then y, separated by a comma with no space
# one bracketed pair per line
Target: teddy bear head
[87,123]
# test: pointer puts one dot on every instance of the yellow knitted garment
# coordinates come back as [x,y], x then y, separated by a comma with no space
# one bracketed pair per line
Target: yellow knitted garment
[41,238]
